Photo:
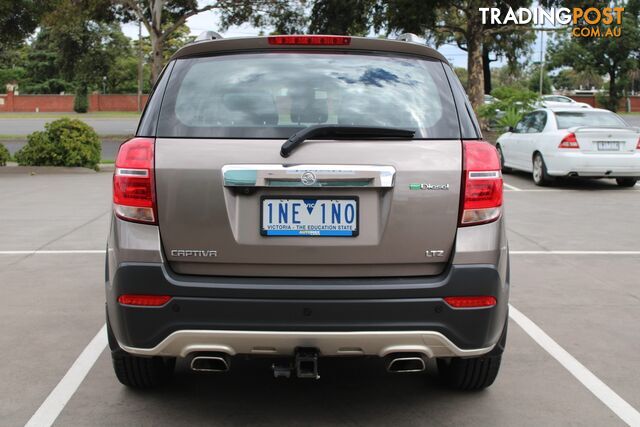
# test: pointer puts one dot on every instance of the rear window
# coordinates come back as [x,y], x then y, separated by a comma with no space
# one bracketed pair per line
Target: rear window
[275,94]
[571,119]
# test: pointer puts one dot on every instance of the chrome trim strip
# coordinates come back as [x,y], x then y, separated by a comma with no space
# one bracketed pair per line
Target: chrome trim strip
[284,176]
[380,343]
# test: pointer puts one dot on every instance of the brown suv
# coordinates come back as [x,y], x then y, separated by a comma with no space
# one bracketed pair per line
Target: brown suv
[300,197]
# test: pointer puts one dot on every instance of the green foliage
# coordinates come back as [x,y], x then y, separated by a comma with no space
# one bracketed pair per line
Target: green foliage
[613,56]
[508,76]
[9,75]
[534,81]
[508,99]
[81,101]
[4,155]
[570,79]
[341,17]
[462,74]
[510,119]
[18,19]
[64,142]
[607,102]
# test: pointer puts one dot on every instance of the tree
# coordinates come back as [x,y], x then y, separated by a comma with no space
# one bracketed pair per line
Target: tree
[613,56]
[534,80]
[510,46]
[18,20]
[342,17]
[42,72]
[456,20]
[162,18]
[570,79]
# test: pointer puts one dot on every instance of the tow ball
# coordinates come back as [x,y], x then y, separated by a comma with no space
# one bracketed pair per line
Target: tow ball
[305,365]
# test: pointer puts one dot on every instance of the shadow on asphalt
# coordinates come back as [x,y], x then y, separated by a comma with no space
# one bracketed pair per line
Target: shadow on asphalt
[249,394]
[568,183]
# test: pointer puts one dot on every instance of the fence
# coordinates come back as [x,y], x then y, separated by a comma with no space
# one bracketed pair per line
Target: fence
[64,103]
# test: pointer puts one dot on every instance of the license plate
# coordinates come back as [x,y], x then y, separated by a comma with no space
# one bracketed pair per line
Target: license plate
[608,145]
[309,217]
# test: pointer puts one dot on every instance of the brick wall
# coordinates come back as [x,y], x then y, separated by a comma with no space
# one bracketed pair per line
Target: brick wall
[622,106]
[64,103]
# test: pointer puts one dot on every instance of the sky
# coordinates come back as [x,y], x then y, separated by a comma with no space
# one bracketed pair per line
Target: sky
[208,21]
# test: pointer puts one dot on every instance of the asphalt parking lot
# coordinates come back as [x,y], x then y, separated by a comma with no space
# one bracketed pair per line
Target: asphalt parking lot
[573,352]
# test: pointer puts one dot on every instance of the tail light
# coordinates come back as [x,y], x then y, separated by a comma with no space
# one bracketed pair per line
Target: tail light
[144,300]
[638,146]
[569,141]
[482,184]
[134,193]
[310,40]
[471,302]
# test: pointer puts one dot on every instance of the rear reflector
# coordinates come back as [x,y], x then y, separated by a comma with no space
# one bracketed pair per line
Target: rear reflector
[144,300]
[482,184]
[569,141]
[471,302]
[310,40]
[133,184]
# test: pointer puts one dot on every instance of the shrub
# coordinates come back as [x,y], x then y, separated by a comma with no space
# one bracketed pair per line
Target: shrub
[64,142]
[510,119]
[81,102]
[4,155]
[518,101]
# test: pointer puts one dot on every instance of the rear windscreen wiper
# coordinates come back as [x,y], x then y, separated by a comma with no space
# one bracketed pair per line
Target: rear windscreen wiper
[342,132]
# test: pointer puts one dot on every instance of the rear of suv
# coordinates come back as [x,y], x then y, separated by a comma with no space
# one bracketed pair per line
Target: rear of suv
[302,197]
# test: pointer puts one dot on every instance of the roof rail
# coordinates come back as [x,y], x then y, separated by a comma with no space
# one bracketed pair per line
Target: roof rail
[207,35]
[412,38]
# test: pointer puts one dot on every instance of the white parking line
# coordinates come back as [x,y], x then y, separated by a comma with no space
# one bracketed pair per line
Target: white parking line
[62,393]
[574,252]
[617,404]
[56,252]
[511,187]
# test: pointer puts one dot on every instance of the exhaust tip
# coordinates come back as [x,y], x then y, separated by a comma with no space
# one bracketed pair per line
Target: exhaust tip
[210,363]
[405,364]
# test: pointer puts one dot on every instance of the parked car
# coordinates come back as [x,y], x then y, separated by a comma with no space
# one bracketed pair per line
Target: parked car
[302,197]
[559,101]
[488,100]
[592,143]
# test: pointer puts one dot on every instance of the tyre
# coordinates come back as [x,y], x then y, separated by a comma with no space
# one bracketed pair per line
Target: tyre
[504,168]
[540,175]
[626,182]
[139,372]
[142,372]
[473,373]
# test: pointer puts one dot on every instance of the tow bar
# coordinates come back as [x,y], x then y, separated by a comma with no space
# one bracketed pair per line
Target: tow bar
[305,363]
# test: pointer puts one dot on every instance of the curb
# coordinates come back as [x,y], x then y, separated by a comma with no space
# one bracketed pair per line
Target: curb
[13,169]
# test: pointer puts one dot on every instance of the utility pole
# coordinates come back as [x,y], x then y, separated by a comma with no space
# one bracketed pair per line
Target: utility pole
[541,60]
[139,65]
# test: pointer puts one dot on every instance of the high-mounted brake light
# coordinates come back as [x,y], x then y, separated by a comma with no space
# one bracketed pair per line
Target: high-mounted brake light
[134,191]
[569,141]
[314,40]
[481,184]
[144,300]
[471,302]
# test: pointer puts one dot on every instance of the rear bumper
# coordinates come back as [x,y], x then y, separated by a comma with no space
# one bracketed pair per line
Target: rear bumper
[368,316]
[346,343]
[594,164]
